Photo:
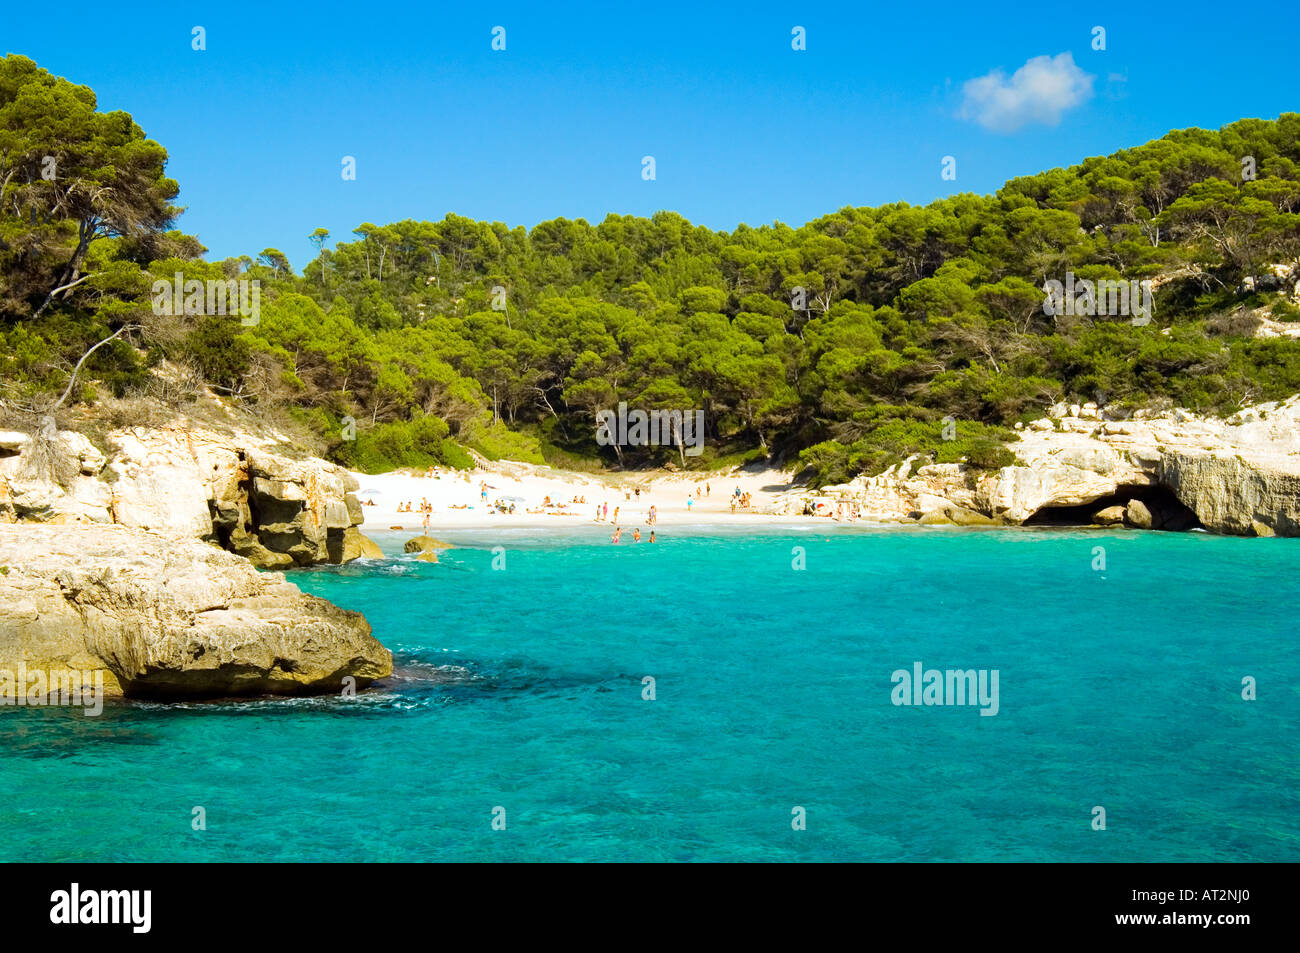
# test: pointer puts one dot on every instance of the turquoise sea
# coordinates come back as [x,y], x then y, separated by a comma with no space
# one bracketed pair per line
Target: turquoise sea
[522,688]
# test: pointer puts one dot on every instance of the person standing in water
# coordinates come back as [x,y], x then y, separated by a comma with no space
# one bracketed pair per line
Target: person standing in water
[636,536]
[652,536]
[617,533]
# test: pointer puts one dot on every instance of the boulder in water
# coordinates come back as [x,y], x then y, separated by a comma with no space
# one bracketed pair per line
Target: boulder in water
[1109,516]
[1137,514]
[424,544]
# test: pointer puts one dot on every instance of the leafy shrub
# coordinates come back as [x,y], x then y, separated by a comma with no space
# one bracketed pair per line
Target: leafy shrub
[419,443]
[1284,310]
[218,350]
[498,442]
[974,443]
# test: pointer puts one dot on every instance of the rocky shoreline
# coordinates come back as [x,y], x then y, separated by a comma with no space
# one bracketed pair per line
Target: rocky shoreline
[169,618]
[1090,465]
[140,562]
[231,490]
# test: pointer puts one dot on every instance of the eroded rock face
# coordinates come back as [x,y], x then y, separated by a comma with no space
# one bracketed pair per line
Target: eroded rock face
[275,511]
[356,545]
[1239,476]
[170,618]
[1233,494]
[1236,475]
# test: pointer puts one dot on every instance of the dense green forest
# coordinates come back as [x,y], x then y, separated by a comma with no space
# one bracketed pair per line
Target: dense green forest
[841,344]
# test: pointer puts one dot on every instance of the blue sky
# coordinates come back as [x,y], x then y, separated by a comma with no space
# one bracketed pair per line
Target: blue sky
[742,127]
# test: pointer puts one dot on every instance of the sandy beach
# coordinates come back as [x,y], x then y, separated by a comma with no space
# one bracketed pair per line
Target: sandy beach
[456,498]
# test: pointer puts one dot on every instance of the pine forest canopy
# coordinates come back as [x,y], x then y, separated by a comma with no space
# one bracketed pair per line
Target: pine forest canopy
[843,343]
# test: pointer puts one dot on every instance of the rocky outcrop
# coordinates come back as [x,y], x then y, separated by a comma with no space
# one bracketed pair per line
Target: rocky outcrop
[424,544]
[1232,474]
[165,617]
[356,545]
[1109,516]
[274,510]
[951,515]
[1138,514]
[1234,493]
[425,547]
[1238,476]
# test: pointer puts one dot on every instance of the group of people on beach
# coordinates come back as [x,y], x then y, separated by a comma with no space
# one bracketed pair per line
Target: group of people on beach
[602,514]
[425,508]
[558,508]
[696,494]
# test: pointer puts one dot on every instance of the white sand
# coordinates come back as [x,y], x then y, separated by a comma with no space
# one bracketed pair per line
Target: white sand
[457,503]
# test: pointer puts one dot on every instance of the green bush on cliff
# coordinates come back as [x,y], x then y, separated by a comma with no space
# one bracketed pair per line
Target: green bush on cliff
[894,440]
[219,351]
[419,443]
[1284,310]
[496,441]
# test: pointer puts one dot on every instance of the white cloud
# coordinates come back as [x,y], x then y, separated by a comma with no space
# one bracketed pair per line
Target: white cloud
[1039,92]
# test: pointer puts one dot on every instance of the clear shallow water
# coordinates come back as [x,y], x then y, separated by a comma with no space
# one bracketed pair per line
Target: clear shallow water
[522,688]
